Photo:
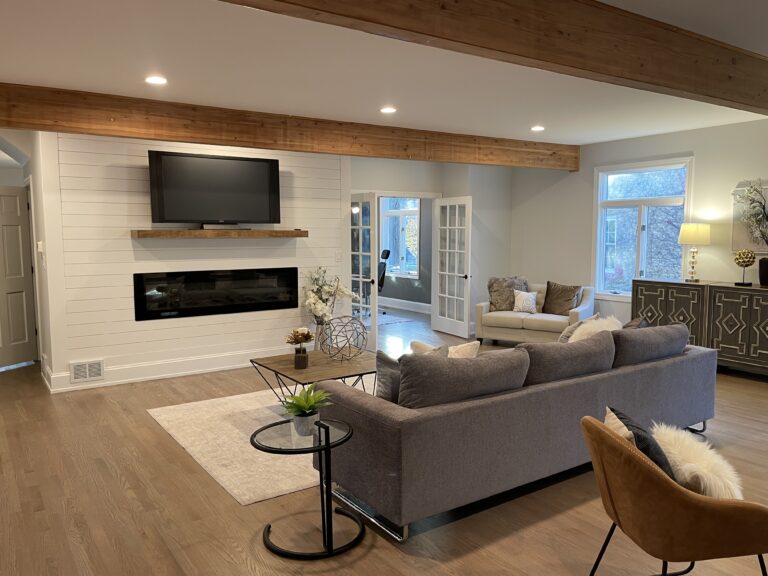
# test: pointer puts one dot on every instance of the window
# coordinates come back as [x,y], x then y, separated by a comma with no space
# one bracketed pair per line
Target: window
[399,233]
[640,210]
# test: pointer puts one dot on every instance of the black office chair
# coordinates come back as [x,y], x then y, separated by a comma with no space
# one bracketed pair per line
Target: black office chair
[382,269]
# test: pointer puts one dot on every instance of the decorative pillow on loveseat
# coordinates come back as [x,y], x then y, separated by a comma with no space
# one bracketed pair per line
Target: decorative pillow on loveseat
[561,299]
[652,343]
[559,360]
[428,379]
[501,292]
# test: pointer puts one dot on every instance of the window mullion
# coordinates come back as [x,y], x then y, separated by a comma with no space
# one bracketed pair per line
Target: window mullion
[642,237]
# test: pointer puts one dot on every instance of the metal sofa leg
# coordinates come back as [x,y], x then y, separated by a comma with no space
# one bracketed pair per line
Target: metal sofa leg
[762,564]
[701,430]
[603,549]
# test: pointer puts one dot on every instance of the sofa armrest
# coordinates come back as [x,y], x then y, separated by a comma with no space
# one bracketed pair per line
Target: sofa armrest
[480,309]
[586,307]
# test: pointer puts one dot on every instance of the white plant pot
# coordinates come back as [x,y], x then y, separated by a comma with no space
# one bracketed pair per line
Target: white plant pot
[305,425]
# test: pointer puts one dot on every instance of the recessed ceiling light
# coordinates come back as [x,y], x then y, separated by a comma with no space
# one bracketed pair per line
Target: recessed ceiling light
[156,80]
[537,128]
[388,110]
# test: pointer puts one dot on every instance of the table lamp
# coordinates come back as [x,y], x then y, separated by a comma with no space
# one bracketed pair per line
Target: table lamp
[692,234]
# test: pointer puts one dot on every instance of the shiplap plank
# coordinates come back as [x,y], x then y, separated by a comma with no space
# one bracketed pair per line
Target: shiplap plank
[188,265]
[260,253]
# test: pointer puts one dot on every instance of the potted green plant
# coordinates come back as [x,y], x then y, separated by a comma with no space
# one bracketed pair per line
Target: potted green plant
[304,406]
[298,337]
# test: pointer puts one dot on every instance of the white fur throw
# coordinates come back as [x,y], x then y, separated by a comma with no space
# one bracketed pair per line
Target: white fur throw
[592,327]
[697,465]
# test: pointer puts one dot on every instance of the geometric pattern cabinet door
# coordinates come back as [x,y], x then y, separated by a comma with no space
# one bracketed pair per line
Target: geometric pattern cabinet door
[662,303]
[758,320]
[730,323]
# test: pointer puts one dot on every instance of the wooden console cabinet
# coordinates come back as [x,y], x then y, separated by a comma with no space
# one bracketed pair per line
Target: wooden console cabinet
[731,319]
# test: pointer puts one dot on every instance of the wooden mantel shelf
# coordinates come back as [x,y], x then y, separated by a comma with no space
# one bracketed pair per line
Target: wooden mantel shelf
[234,233]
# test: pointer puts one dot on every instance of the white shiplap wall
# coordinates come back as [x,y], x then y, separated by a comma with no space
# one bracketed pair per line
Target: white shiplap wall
[104,192]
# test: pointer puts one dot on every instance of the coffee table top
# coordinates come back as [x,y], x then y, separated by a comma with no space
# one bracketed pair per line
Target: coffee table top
[321,366]
[281,438]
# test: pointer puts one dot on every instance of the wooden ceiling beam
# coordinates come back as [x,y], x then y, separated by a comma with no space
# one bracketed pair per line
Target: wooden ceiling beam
[56,110]
[582,38]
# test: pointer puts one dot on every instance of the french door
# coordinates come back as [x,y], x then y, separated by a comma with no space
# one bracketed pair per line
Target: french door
[365,262]
[451,272]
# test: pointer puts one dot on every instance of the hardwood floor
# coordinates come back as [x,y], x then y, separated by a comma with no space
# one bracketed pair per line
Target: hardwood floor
[90,484]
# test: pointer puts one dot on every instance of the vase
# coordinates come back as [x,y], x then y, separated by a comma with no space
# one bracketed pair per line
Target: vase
[301,359]
[763,271]
[305,425]
[319,325]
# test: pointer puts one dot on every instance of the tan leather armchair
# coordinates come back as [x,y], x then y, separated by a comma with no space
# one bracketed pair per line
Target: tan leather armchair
[666,520]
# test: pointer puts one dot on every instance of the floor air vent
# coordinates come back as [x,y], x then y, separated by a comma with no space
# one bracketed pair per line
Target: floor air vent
[86,371]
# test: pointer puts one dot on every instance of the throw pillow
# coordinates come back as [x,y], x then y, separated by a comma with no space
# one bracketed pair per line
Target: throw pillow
[428,380]
[468,350]
[552,361]
[387,377]
[638,322]
[643,440]
[591,327]
[568,332]
[501,292]
[561,299]
[696,465]
[525,302]
[652,343]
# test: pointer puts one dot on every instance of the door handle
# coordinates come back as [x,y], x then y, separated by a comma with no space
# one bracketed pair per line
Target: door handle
[372,281]
[465,277]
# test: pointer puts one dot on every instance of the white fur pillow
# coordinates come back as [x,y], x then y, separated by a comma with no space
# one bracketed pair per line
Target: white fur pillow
[592,327]
[696,465]
[525,302]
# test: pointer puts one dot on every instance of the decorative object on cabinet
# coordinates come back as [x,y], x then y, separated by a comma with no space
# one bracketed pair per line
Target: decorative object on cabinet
[693,235]
[744,259]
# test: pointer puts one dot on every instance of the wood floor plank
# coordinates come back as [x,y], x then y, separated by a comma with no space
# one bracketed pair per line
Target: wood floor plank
[91,484]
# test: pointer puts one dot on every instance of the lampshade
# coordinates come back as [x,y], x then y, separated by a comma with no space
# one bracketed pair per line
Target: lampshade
[694,234]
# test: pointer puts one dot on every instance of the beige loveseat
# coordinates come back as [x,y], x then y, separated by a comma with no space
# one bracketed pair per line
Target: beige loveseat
[525,327]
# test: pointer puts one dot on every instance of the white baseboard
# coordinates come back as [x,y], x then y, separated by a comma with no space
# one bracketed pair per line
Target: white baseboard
[60,382]
[405,305]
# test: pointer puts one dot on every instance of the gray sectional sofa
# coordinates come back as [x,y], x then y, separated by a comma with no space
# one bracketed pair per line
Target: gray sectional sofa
[404,464]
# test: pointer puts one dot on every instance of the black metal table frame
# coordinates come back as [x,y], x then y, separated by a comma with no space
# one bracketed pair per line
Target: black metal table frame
[323,448]
[285,387]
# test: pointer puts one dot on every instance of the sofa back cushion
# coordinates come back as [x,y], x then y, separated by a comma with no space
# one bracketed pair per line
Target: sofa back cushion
[432,380]
[387,377]
[552,361]
[652,343]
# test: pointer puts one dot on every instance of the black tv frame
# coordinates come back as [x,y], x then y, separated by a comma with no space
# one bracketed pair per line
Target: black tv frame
[156,188]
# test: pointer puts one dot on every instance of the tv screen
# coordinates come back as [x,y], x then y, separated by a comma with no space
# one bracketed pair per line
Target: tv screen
[213,189]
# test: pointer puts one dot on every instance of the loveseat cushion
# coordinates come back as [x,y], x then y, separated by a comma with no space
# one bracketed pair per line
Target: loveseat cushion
[550,361]
[652,343]
[545,322]
[432,380]
[505,319]
[501,292]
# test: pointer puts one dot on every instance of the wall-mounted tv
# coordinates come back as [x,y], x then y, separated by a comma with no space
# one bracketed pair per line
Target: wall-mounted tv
[202,189]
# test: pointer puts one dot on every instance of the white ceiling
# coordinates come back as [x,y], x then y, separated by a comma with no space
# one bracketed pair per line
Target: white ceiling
[224,55]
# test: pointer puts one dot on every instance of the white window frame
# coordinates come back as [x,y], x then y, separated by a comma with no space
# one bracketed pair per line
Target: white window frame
[601,178]
[401,214]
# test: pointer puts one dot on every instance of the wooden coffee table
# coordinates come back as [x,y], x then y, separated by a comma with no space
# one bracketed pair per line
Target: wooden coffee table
[321,367]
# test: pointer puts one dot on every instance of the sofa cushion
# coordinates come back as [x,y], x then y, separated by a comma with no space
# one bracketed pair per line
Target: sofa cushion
[556,360]
[561,299]
[652,343]
[505,319]
[431,380]
[387,377]
[501,292]
[525,302]
[545,322]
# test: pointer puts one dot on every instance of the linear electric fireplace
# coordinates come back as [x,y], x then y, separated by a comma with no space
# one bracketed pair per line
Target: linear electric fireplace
[159,295]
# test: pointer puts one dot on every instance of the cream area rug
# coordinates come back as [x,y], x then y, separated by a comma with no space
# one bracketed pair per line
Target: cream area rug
[217,434]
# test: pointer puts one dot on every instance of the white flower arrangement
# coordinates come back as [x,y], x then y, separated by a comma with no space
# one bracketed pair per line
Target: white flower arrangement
[321,294]
[754,210]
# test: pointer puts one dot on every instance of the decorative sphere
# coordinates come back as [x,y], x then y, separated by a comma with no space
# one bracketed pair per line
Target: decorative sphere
[343,338]
[744,258]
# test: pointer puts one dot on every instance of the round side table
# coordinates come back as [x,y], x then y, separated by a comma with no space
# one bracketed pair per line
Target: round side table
[280,438]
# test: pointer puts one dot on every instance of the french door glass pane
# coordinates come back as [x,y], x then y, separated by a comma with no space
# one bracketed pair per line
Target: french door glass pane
[619,253]
[663,255]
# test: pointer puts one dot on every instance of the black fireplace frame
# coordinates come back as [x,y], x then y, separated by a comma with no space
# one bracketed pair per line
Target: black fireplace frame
[142,311]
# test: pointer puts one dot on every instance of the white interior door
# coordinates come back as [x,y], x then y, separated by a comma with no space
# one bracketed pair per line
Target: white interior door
[365,261]
[452,231]
[18,342]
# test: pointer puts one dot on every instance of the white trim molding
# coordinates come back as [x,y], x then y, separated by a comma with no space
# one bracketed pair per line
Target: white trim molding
[398,304]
